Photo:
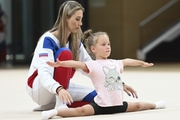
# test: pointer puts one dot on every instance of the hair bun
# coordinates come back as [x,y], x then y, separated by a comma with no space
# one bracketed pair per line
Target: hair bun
[87,33]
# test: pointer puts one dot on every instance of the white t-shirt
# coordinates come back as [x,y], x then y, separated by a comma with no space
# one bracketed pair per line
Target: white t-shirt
[105,76]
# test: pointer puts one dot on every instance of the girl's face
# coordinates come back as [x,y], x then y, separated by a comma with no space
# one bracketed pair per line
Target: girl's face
[102,48]
[74,23]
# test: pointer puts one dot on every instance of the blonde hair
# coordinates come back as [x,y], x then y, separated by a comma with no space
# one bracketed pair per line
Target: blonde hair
[66,10]
[90,39]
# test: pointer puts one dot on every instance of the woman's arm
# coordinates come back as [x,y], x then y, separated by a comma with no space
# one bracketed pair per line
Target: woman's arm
[69,64]
[133,62]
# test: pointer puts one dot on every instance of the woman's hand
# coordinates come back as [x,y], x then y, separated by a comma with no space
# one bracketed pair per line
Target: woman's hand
[130,91]
[65,96]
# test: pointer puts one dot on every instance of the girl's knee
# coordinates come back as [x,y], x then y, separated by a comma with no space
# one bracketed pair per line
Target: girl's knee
[134,106]
[85,110]
[81,111]
[138,106]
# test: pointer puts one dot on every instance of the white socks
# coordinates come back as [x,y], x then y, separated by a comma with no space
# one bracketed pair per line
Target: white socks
[49,114]
[59,103]
[160,105]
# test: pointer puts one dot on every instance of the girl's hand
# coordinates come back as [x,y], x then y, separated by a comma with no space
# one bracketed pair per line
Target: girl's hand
[130,91]
[145,64]
[54,64]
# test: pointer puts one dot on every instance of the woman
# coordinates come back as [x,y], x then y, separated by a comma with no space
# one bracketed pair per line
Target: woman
[47,86]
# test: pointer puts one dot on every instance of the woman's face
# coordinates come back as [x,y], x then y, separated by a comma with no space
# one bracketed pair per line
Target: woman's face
[75,21]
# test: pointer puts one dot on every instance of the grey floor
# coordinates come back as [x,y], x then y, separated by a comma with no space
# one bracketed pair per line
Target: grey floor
[160,82]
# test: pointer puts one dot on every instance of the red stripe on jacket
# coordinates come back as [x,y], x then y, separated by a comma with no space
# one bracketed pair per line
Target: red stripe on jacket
[31,78]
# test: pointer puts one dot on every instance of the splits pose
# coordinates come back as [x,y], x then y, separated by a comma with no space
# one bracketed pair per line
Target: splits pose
[106,78]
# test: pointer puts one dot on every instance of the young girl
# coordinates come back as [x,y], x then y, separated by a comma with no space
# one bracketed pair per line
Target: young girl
[105,76]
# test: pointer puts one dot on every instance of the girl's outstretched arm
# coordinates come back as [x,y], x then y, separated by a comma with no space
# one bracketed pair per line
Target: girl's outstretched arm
[69,64]
[133,62]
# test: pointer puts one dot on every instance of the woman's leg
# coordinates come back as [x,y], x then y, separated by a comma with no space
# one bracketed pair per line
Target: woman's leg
[85,110]
[42,96]
[81,94]
[138,106]
[62,74]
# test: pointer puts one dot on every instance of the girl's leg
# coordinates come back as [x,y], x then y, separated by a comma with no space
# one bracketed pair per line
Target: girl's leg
[85,110]
[138,106]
